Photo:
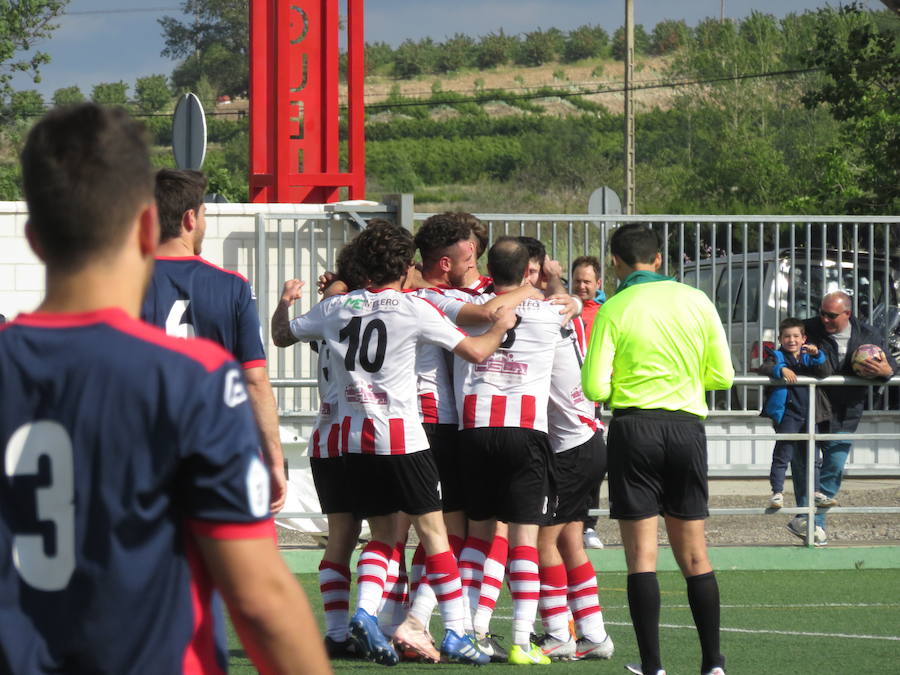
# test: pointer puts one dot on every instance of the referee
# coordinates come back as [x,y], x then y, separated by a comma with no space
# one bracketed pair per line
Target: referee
[656,347]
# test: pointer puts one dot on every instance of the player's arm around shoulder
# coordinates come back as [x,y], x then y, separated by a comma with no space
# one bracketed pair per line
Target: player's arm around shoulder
[267,606]
[477,348]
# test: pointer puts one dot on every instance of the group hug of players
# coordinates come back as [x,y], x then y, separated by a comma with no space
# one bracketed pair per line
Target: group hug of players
[452,402]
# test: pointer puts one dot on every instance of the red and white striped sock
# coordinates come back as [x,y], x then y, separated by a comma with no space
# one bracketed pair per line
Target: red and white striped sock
[334,585]
[443,577]
[553,607]
[372,571]
[423,599]
[471,571]
[395,599]
[491,583]
[525,588]
[585,603]
[456,545]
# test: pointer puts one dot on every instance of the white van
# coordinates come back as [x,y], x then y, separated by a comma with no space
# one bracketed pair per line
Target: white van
[754,292]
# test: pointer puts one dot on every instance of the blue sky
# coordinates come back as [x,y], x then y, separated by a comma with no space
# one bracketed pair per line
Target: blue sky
[112,40]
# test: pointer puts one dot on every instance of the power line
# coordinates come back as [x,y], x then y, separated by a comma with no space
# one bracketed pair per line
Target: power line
[136,10]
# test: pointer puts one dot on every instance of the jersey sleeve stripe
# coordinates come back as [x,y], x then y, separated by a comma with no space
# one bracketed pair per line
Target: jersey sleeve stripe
[261,529]
[498,411]
[257,363]
[398,436]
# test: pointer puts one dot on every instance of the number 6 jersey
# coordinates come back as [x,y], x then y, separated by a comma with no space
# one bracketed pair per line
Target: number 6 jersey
[372,337]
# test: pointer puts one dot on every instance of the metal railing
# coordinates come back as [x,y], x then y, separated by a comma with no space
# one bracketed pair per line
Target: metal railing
[811,436]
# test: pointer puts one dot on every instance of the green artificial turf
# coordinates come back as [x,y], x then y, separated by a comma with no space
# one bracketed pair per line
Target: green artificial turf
[827,622]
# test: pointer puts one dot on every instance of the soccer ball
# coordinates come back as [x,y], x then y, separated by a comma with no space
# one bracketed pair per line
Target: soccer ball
[862,353]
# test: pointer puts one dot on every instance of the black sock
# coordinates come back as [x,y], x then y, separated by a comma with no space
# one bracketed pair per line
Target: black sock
[703,596]
[643,601]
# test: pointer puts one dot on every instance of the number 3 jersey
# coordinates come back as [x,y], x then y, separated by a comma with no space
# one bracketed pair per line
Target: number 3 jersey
[119,444]
[191,297]
[372,337]
[511,387]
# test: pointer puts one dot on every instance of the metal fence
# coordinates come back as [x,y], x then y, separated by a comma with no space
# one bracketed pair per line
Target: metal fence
[757,269]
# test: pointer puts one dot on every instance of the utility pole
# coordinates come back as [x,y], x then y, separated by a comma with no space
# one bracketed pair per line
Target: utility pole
[629,107]
[722,11]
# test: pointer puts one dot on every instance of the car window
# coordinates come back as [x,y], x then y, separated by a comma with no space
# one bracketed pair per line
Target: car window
[749,295]
[725,300]
[701,279]
[870,288]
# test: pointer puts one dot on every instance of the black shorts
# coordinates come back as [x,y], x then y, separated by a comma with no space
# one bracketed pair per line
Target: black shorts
[579,473]
[386,484]
[444,443]
[509,474]
[331,479]
[657,465]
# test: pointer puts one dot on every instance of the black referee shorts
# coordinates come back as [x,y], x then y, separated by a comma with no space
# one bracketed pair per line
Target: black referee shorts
[579,473]
[657,465]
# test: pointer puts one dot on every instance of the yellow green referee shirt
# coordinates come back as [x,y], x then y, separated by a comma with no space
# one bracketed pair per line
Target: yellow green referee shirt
[657,344]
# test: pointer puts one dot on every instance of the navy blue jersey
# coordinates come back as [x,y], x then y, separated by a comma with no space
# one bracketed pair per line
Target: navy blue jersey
[120,445]
[191,297]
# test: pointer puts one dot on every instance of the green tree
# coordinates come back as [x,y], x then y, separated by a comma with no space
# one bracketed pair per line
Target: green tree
[27,103]
[68,96]
[213,42]
[23,24]
[538,47]
[415,58]
[457,52]
[110,93]
[152,93]
[641,42]
[585,42]
[495,49]
[668,36]
[378,55]
[862,91]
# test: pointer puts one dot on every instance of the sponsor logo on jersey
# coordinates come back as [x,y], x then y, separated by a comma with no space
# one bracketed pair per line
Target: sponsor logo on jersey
[502,362]
[257,488]
[355,303]
[577,395]
[325,410]
[371,305]
[365,394]
[235,392]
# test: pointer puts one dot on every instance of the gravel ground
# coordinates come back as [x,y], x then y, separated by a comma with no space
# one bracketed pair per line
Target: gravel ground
[847,529]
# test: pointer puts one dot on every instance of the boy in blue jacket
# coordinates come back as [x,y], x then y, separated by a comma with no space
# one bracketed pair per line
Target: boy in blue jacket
[788,407]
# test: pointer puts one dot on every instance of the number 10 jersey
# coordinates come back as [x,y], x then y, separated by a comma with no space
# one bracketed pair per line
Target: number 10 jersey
[372,337]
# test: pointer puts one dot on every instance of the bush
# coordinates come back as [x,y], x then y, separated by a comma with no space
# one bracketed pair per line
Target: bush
[67,96]
[378,56]
[10,183]
[415,58]
[668,36]
[495,49]
[455,53]
[26,103]
[585,42]
[537,48]
[641,42]
[152,93]
[110,93]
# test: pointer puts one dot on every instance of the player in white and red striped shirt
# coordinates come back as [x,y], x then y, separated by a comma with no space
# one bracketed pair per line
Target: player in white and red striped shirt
[502,406]
[327,462]
[372,336]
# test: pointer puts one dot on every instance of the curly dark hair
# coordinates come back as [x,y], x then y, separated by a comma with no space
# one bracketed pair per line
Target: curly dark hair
[438,233]
[536,249]
[348,267]
[384,251]
[477,228]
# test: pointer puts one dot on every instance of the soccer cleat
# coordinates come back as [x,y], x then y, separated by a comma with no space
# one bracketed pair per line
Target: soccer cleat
[370,642]
[824,501]
[415,645]
[462,649]
[636,669]
[776,501]
[491,646]
[340,649]
[715,671]
[591,540]
[533,657]
[586,649]
[556,649]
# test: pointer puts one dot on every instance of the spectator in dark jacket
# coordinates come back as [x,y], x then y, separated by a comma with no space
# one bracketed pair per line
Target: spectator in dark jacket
[838,333]
[788,407]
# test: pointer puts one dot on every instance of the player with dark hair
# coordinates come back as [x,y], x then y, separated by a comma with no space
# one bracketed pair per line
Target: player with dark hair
[502,408]
[188,296]
[372,335]
[133,486]
[656,347]
[328,461]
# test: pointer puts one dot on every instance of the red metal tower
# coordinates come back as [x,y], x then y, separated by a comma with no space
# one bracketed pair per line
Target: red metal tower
[294,110]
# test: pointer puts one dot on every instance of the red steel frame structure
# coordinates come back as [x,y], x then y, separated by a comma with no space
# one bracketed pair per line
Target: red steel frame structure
[294,109]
